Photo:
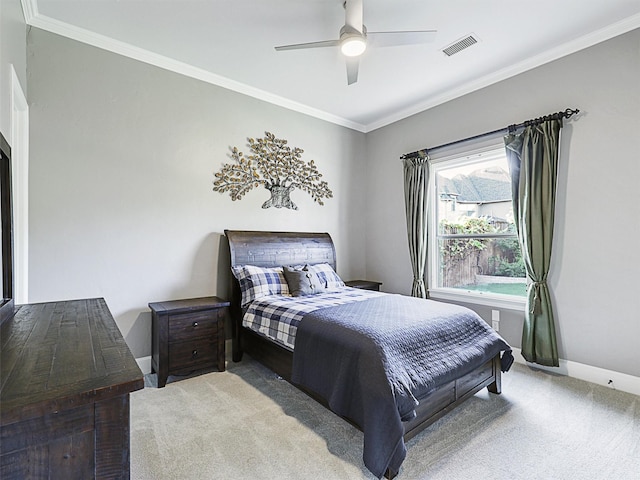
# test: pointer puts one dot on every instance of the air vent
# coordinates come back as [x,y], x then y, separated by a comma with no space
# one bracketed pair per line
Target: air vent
[460,45]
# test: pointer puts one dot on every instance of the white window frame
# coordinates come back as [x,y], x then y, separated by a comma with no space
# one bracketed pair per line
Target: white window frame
[454,158]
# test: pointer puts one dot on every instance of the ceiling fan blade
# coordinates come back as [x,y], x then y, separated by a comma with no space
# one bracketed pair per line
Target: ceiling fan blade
[393,39]
[353,14]
[352,69]
[300,46]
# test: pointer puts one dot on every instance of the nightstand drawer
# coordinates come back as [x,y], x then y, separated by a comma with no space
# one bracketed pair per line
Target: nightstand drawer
[187,335]
[191,325]
[185,355]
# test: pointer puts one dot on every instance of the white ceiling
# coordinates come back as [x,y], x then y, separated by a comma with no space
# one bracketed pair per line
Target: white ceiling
[230,43]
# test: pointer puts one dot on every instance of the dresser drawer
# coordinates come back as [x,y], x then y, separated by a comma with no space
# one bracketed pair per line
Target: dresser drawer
[185,355]
[190,325]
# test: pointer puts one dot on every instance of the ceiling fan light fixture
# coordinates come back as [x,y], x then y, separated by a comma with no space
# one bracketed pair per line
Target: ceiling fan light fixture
[353,46]
[354,38]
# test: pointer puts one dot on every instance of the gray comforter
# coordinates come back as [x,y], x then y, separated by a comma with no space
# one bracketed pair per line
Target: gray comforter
[373,360]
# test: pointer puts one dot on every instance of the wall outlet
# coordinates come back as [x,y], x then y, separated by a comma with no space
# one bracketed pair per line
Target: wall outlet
[495,320]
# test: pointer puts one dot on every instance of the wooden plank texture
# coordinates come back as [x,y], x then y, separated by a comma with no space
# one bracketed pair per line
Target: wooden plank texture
[60,355]
[112,435]
[65,378]
[280,248]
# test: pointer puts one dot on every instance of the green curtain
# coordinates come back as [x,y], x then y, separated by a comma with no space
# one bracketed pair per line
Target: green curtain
[533,165]
[416,199]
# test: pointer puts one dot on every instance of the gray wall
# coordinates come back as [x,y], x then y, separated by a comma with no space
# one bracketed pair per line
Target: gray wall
[122,157]
[13,51]
[594,277]
[122,163]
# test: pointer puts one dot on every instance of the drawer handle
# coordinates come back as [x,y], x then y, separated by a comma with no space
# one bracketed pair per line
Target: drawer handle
[194,354]
[195,324]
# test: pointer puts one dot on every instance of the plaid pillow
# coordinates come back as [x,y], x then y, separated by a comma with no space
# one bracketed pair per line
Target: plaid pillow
[327,275]
[256,282]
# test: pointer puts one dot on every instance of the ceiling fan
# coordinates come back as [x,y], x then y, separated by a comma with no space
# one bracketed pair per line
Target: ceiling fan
[354,39]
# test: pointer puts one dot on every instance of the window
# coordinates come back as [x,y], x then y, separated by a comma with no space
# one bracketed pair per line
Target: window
[475,251]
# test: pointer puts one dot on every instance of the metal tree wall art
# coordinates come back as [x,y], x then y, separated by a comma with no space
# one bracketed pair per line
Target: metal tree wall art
[277,167]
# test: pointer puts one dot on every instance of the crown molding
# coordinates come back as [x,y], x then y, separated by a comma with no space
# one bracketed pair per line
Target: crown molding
[29,10]
[34,18]
[606,33]
[122,48]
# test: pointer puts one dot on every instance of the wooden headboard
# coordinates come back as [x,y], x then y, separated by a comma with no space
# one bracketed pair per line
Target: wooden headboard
[272,249]
[275,249]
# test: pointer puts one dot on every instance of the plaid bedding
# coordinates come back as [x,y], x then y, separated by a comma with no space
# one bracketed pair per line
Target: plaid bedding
[256,282]
[277,316]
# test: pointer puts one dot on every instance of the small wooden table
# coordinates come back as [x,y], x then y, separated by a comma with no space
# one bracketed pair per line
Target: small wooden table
[66,375]
[187,335]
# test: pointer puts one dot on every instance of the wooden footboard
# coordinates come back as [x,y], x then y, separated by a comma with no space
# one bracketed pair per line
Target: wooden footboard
[449,396]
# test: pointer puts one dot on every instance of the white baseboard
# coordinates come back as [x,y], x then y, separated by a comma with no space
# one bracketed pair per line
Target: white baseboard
[145,364]
[599,376]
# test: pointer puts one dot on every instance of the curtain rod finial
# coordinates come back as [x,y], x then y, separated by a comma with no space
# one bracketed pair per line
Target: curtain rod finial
[417,154]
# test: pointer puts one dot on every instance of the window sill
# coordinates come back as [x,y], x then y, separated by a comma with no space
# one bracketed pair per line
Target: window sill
[490,300]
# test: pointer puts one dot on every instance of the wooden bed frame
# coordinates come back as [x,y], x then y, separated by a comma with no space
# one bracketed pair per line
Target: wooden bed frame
[270,249]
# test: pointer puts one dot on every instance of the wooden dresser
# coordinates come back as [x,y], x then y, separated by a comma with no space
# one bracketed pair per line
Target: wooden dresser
[66,374]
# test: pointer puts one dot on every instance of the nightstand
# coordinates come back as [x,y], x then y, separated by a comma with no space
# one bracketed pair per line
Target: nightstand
[187,335]
[364,284]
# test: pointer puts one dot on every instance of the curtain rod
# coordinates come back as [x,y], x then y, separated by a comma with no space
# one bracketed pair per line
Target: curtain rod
[510,129]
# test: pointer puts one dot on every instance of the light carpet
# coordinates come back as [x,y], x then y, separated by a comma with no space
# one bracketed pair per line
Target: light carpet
[246,423]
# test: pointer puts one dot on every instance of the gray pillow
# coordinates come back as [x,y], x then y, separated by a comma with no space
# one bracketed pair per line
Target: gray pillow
[301,281]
